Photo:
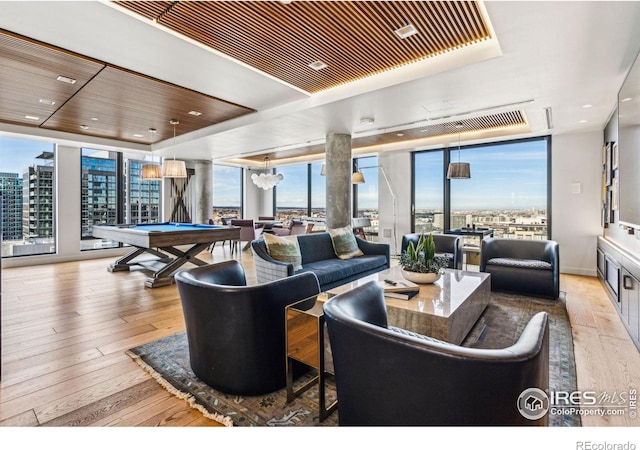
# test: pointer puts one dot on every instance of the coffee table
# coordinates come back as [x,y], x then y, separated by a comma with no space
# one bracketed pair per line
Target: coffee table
[445,310]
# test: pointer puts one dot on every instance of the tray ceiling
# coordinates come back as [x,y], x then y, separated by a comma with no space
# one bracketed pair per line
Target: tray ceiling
[506,123]
[97,99]
[353,39]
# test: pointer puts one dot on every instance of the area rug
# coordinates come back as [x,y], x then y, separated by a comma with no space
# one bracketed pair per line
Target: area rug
[167,360]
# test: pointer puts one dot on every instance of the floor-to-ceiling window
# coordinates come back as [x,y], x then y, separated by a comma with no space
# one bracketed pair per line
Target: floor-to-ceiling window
[113,191]
[508,190]
[227,192]
[292,193]
[318,191]
[142,196]
[366,194]
[27,180]
[99,195]
[429,192]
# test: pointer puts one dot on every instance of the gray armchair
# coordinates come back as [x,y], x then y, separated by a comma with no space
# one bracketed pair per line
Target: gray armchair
[235,332]
[396,377]
[449,245]
[522,266]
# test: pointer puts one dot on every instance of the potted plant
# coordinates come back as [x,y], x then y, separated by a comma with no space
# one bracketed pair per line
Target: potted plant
[419,262]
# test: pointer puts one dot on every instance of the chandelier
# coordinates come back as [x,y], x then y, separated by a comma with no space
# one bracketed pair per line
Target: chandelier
[267,179]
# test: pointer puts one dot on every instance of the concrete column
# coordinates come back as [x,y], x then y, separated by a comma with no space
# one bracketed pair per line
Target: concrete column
[203,191]
[338,173]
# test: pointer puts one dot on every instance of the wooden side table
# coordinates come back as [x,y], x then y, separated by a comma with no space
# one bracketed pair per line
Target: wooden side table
[305,341]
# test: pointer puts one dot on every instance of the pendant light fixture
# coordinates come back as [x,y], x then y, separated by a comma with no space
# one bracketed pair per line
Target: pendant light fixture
[173,168]
[266,180]
[151,171]
[459,170]
[357,177]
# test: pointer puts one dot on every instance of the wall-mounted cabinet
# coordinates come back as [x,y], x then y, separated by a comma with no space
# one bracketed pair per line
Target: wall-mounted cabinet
[620,274]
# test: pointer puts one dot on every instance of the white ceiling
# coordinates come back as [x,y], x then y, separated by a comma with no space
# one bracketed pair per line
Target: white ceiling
[561,55]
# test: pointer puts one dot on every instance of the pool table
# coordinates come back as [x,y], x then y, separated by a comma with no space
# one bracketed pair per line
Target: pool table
[161,240]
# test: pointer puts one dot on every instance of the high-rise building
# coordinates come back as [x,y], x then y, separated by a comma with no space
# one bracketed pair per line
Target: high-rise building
[143,196]
[38,207]
[11,188]
[99,195]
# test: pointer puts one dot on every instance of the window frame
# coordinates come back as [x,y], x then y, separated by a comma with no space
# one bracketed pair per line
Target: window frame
[447,155]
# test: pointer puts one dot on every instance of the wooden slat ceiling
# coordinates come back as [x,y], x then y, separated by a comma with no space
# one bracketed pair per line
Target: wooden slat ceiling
[105,101]
[499,121]
[354,39]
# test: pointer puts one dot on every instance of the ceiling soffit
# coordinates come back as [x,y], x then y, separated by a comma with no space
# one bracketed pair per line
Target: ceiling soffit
[504,121]
[354,39]
[104,101]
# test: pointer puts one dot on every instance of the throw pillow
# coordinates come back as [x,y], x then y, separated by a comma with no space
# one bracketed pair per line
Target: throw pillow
[284,248]
[344,243]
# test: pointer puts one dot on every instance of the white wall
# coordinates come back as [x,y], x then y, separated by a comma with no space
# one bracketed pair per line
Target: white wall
[576,162]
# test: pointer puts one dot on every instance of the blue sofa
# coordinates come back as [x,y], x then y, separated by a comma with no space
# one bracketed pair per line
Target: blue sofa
[319,257]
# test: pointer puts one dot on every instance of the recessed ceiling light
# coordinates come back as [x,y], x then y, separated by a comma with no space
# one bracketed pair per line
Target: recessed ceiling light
[406,31]
[195,113]
[94,118]
[32,117]
[138,135]
[587,106]
[84,127]
[66,79]
[47,102]
[318,65]
[583,121]
[152,130]
[399,134]
[367,120]
[628,99]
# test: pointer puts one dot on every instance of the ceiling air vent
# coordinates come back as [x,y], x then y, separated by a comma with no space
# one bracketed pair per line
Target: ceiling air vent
[406,31]
[317,65]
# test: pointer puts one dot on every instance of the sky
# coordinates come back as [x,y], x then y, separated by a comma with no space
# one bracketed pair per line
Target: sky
[504,176]
[292,191]
[500,177]
[18,154]
[227,182]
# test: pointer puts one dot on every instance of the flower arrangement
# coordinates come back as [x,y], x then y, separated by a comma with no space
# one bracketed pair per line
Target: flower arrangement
[422,258]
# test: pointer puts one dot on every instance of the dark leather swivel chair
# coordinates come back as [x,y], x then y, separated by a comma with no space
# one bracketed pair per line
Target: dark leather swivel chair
[236,333]
[449,245]
[389,376]
[522,266]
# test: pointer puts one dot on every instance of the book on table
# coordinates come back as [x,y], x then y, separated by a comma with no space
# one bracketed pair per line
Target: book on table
[402,295]
[402,289]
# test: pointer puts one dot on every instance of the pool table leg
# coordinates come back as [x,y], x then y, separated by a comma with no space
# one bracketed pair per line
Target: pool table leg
[124,263]
[164,276]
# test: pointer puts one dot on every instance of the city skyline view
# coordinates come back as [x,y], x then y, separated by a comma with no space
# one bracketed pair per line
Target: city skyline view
[507,190]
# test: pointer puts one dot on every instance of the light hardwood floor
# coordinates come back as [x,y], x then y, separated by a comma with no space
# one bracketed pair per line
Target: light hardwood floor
[66,326]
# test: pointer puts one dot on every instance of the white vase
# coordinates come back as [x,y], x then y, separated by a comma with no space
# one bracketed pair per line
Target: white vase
[421,278]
